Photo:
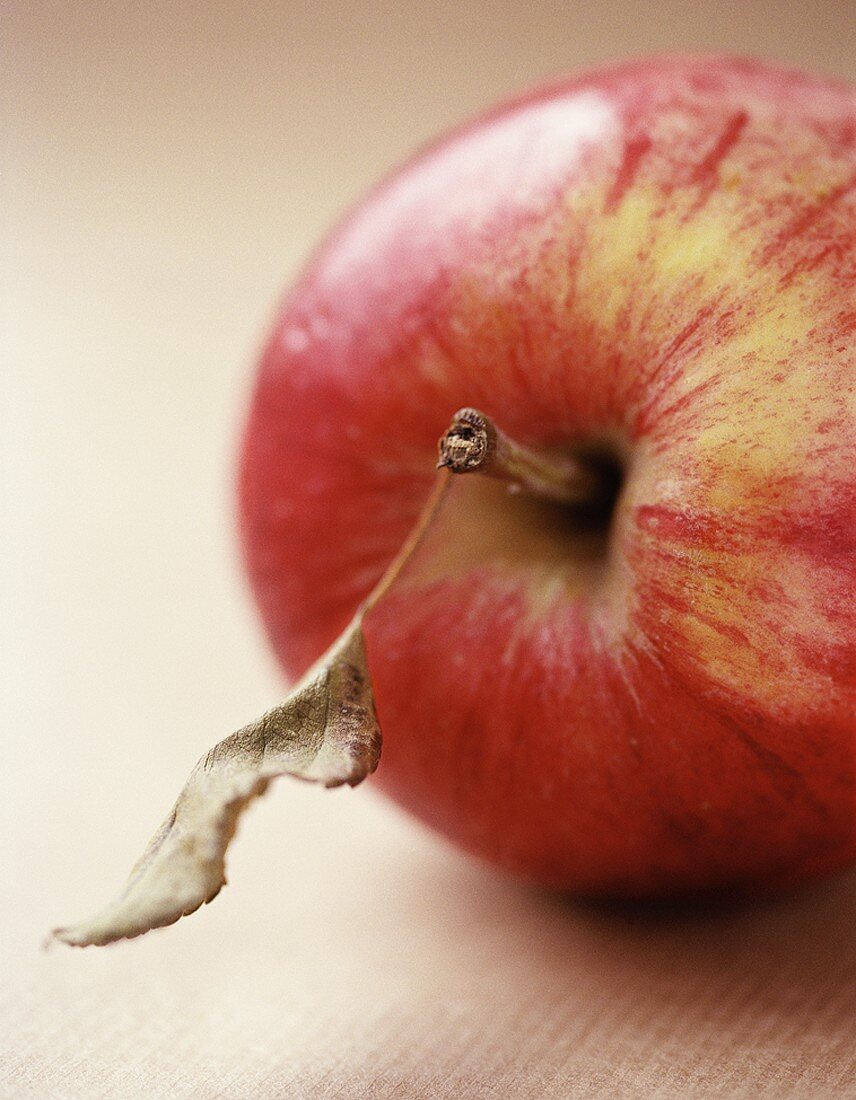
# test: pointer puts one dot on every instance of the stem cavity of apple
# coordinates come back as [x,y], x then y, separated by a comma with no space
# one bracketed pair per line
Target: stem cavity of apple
[474,444]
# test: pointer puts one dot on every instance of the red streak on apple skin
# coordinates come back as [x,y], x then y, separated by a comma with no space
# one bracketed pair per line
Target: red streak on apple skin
[705,175]
[706,170]
[660,259]
[635,148]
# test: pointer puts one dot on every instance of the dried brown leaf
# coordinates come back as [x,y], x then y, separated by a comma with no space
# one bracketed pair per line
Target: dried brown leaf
[326,731]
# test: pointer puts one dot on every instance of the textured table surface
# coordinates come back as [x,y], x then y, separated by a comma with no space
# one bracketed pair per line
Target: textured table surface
[166,168]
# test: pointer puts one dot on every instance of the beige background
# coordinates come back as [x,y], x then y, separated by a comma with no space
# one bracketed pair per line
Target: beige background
[165,168]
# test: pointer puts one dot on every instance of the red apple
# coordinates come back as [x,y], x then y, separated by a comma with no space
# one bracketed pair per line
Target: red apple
[656,262]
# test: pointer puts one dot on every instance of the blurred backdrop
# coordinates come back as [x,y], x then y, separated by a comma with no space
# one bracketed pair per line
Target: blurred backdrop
[166,167]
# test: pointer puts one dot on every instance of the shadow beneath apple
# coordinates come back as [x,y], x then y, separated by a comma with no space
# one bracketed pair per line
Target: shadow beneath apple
[799,942]
[802,938]
[571,998]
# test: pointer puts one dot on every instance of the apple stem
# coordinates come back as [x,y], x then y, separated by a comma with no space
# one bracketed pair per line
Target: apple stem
[474,444]
[417,533]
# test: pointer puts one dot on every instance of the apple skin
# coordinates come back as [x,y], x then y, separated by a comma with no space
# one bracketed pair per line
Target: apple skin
[657,259]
